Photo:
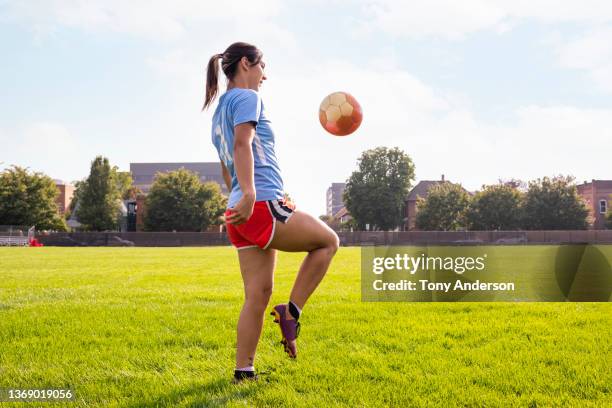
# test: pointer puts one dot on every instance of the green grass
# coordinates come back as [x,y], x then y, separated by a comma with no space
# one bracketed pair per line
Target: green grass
[140,327]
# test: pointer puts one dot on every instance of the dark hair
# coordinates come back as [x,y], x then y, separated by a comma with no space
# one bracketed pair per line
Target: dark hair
[230,60]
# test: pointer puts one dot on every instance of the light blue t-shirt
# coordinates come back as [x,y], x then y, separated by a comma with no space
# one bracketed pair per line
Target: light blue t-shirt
[241,105]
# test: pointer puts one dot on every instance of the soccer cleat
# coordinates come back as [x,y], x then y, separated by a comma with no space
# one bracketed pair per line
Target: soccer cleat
[290,329]
[243,376]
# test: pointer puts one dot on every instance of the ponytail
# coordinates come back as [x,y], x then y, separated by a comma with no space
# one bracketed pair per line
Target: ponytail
[212,80]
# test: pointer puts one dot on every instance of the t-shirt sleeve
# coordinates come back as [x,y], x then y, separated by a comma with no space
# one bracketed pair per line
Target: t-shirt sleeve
[247,108]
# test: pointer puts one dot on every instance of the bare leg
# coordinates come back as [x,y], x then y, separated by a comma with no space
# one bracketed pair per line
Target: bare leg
[257,268]
[305,233]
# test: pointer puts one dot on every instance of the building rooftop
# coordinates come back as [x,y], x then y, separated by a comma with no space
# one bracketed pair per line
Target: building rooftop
[421,189]
[152,168]
[598,183]
[143,174]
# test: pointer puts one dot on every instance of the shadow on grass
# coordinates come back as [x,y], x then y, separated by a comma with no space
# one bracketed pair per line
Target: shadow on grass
[216,393]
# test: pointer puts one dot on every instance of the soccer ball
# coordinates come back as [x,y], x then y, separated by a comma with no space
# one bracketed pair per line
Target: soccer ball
[340,114]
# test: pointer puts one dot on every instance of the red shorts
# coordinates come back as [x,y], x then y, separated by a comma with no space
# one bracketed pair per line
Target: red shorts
[258,231]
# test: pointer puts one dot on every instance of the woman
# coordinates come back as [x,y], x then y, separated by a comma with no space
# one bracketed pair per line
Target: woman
[259,220]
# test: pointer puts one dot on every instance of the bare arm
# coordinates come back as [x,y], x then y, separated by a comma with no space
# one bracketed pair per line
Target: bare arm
[226,177]
[244,166]
[243,158]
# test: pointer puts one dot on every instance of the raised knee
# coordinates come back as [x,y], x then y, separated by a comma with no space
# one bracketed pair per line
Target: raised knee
[333,244]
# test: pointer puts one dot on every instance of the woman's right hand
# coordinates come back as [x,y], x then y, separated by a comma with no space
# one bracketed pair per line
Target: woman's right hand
[242,211]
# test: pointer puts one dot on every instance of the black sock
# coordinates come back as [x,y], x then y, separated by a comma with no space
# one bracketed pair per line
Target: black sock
[293,310]
[241,375]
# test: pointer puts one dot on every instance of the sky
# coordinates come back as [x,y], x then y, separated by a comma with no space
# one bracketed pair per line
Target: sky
[477,90]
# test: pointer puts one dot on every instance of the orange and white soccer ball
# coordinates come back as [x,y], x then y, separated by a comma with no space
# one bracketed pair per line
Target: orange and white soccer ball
[340,114]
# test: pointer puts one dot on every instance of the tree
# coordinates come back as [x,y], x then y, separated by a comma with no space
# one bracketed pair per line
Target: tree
[123,181]
[178,201]
[444,209]
[79,186]
[554,204]
[496,207]
[326,218]
[28,199]
[375,194]
[132,193]
[99,197]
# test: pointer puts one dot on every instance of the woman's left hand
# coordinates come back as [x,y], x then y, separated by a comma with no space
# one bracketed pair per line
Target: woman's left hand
[242,211]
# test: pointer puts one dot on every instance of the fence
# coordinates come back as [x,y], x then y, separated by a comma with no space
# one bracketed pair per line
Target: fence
[355,238]
[145,239]
[475,237]
[16,235]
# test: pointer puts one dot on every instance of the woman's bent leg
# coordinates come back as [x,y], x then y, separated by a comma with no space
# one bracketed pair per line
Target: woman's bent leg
[305,233]
[257,269]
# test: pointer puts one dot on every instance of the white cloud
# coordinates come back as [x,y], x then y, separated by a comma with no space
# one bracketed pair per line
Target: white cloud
[454,20]
[590,52]
[554,11]
[550,140]
[42,146]
[47,139]
[157,19]
[169,20]
[446,18]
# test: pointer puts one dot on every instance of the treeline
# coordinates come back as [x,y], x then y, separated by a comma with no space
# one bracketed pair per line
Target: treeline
[375,196]
[178,201]
[547,204]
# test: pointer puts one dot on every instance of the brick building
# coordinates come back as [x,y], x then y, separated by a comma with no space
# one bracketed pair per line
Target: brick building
[420,190]
[342,215]
[66,192]
[597,194]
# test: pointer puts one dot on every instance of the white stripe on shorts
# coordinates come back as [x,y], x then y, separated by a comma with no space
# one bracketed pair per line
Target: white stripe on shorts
[279,209]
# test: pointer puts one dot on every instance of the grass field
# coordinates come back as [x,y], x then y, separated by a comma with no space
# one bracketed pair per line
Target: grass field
[141,327]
